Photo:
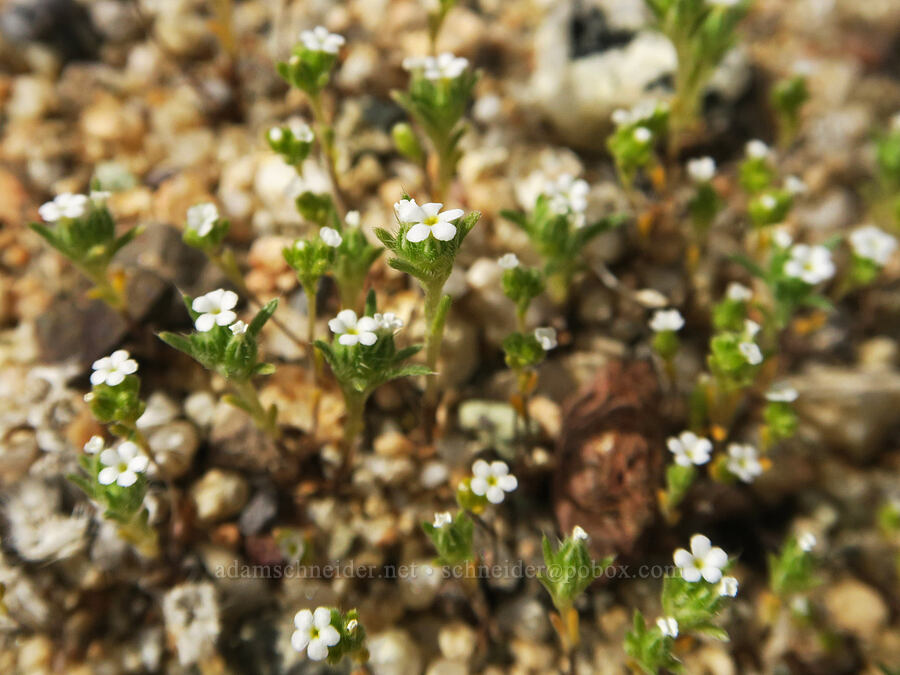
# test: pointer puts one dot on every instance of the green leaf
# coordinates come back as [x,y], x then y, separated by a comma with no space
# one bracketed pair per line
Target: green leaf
[413,370]
[261,317]
[179,342]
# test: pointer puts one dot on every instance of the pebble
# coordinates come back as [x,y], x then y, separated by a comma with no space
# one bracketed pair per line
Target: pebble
[457,641]
[394,652]
[219,494]
[420,587]
[174,446]
[856,608]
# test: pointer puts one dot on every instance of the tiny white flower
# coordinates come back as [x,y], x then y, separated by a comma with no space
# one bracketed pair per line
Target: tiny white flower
[728,587]
[643,135]
[275,134]
[441,519]
[508,261]
[238,327]
[314,633]
[743,462]
[300,130]
[668,626]
[202,217]
[702,169]
[352,330]
[352,219]
[99,197]
[331,236]
[65,205]
[567,193]
[445,66]
[873,244]
[111,370]
[751,352]
[546,336]
[492,480]
[578,534]
[756,149]
[320,40]
[94,445]
[215,309]
[751,328]
[689,448]
[781,392]
[388,322]
[702,561]
[795,185]
[782,238]
[811,264]
[666,320]
[122,464]
[738,292]
[621,116]
[427,220]
[769,203]
[806,541]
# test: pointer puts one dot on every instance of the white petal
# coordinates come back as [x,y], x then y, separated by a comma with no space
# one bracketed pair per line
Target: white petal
[337,326]
[98,377]
[700,545]
[329,635]
[690,574]
[322,617]
[481,469]
[712,574]
[139,464]
[348,339]
[508,483]
[683,558]
[431,209]
[408,211]
[495,494]
[115,378]
[443,231]
[205,322]
[226,318]
[107,476]
[368,338]
[303,621]
[479,486]
[202,304]
[499,468]
[317,650]
[418,232]
[716,558]
[451,214]
[109,457]
[299,639]
[367,324]
[229,300]
[127,478]
[347,317]
[127,450]
[102,364]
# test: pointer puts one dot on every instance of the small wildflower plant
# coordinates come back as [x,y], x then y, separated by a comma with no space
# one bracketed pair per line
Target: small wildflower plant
[326,634]
[226,346]
[690,600]
[363,356]
[792,571]
[521,285]
[557,229]
[568,570]
[633,142]
[702,32]
[788,98]
[115,392]
[440,89]
[425,247]
[706,203]
[689,451]
[82,228]
[452,537]
[292,142]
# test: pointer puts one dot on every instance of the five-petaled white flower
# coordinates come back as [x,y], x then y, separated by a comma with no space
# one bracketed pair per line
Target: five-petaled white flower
[873,244]
[666,320]
[751,352]
[238,327]
[319,39]
[331,236]
[300,130]
[743,462]
[643,135]
[492,480]
[352,330]
[781,392]
[668,626]
[546,336]
[314,633]
[112,369]
[122,464]
[806,541]
[508,261]
[689,448]
[215,309]
[201,218]
[702,561]
[728,587]
[445,66]
[427,220]
[94,445]
[702,169]
[738,292]
[388,322]
[567,193]
[756,149]
[578,534]
[441,519]
[811,264]
[66,205]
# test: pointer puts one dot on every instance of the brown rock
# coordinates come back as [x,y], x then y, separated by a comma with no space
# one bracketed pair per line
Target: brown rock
[610,458]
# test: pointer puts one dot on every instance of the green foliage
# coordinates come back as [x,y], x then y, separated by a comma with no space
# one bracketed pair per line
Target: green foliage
[120,405]
[728,363]
[666,344]
[522,351]
[233,356]
[354,257]
[318,209]
[780,420]
[649,649]
[678,481]
[633,142]
[453,540]
[793,570]
[211,241]
[293,143]
[308,70]
[756,174]
[788,97]
[522,285]
[729,315]
[311,260]
[558,239]
[407,143]
[569,570]
[694,605]
[704,206]
[352,642]
[770,208]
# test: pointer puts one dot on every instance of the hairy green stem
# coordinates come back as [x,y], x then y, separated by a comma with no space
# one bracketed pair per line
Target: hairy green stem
[328,152]
[246,393]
